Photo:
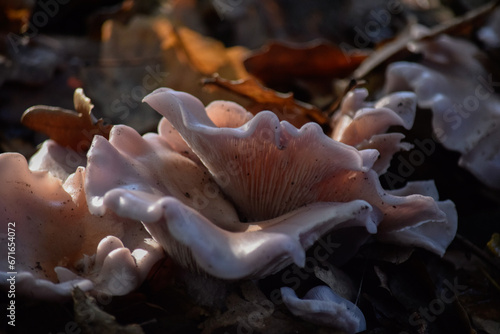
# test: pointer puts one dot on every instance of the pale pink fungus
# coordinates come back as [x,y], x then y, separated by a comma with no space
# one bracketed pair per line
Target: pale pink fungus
[223,192]
[59,244]
[245,196]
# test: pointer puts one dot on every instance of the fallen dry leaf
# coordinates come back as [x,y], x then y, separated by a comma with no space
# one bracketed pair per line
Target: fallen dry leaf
[337,280]
[73,129]
[394,254]
[209,56]
[282,104]
[279,62]
[405,296]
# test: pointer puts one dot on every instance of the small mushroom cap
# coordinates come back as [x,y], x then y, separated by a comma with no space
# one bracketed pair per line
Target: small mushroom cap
[322,306]
[367,121]
[363,125]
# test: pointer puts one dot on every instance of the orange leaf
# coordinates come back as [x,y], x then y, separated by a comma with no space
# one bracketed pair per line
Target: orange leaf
[73,129]
[207,55]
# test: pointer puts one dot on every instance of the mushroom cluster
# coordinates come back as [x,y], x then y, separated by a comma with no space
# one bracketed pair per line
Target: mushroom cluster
[239,196]
[223,192]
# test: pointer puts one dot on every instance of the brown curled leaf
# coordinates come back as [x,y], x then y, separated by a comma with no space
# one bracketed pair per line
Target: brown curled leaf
[69,128]
[282,104]
[280,62]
